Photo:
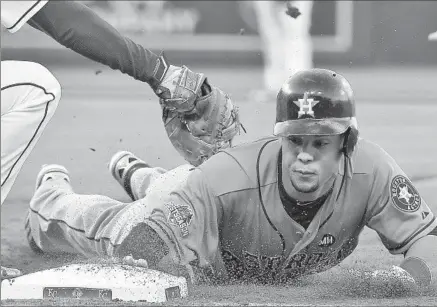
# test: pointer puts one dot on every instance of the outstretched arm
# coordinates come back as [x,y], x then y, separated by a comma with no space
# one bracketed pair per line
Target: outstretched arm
[78,28]
[404,222]
[421,260]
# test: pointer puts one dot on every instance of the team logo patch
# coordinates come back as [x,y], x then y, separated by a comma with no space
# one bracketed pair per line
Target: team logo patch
[327,240]
[306,106]
[403,194]
[181,216]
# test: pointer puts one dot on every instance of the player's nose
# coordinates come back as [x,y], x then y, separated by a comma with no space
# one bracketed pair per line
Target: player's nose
[305,157]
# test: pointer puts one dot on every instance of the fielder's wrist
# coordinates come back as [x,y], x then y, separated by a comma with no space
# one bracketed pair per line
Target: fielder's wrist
[159,71]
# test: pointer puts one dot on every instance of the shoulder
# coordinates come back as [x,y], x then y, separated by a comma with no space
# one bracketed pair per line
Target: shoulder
[370,158]
[235,168]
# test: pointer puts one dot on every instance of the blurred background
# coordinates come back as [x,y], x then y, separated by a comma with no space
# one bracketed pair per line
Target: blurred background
[343,32]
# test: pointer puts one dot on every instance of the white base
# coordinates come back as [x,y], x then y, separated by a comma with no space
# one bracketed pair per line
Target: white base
[432,36]
[106,281]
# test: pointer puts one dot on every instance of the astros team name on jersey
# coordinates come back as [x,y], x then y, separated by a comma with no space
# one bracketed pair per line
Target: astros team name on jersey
[271,269]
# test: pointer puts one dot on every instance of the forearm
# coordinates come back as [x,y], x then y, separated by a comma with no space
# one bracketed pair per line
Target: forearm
[78,28]
[421,260]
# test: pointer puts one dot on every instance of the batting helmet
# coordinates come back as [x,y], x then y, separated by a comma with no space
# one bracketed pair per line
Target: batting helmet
[317,102]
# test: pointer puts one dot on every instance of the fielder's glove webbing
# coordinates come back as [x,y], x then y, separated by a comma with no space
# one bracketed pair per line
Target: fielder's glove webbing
[209,127]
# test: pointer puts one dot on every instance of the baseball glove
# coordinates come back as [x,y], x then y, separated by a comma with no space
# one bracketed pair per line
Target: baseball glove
[205,129]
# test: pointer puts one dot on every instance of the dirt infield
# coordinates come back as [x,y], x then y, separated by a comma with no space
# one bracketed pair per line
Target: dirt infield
[95,119]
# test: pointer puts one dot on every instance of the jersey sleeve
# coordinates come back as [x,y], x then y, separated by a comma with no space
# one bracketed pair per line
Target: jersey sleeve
[14,14]
[187,219]
[398,213]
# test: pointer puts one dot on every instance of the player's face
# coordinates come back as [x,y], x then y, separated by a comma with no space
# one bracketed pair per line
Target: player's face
[311,160]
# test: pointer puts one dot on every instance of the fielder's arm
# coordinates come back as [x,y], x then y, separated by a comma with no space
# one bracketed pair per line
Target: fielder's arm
[80,29]
[421,260]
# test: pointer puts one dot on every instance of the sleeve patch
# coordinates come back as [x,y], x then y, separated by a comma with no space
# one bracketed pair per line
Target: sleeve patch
[180,215]
[404,195]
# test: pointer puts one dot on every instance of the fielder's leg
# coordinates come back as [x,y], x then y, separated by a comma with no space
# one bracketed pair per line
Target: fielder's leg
[271,34]
[296,38]
[29,97]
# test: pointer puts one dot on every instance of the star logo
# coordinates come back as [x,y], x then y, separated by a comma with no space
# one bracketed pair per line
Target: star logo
[403,194]
[306,106]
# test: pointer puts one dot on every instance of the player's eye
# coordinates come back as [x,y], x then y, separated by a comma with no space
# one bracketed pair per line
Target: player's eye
[320,143]
[295,140]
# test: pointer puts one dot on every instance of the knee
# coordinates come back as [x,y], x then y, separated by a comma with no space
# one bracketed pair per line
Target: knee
[43,87]
[44,78]
[36,78]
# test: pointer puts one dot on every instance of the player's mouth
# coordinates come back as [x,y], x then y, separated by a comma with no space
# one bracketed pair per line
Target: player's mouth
[305,173]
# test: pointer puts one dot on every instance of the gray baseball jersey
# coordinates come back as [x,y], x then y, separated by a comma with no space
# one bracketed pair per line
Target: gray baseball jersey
[228,218]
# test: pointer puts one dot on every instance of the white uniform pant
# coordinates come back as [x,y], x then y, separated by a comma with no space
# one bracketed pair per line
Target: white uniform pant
[287,44]
[29,97]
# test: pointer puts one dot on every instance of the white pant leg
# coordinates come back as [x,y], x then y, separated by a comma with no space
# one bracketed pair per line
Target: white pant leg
[287,42]
[29,97]
[271,34]
[296,38]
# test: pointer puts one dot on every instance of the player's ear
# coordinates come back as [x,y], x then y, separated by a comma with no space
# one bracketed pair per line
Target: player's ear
[344,143]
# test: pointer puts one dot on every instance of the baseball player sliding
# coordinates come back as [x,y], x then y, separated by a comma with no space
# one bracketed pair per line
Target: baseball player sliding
[30,93]
[266,211]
